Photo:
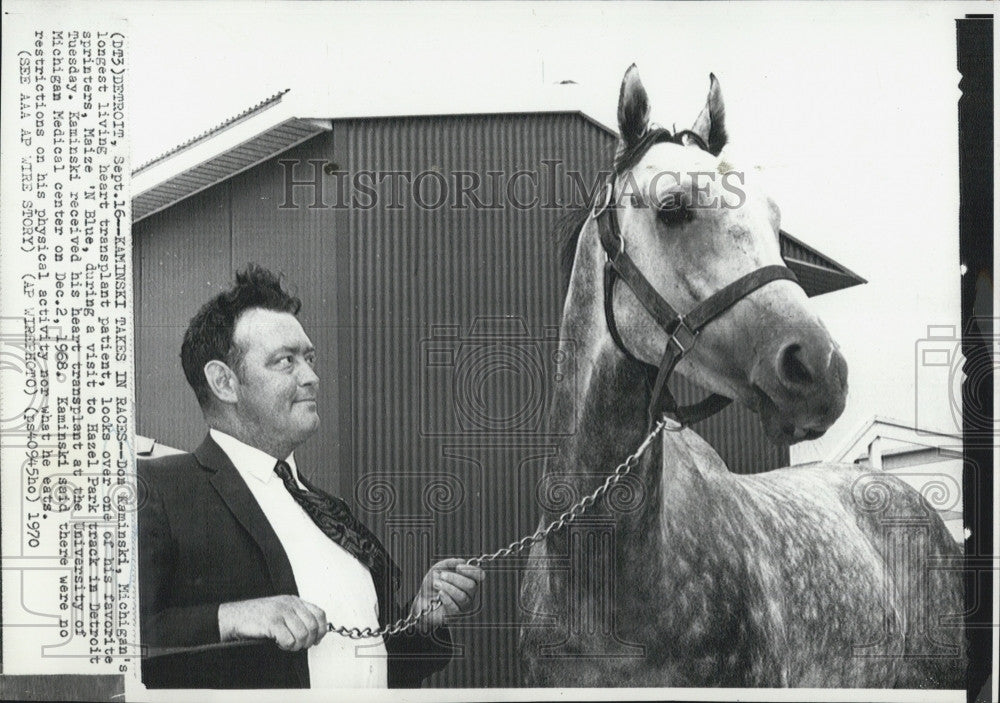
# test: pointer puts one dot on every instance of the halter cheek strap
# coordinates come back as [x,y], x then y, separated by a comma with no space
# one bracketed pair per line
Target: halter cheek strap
[682,330]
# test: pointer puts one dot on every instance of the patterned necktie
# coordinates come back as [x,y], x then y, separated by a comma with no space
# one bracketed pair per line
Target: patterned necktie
[335,519]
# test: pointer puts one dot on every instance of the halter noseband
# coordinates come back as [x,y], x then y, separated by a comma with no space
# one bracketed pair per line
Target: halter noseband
[683,330]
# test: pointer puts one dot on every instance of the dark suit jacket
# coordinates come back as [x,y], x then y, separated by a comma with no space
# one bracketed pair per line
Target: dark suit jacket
[203,540]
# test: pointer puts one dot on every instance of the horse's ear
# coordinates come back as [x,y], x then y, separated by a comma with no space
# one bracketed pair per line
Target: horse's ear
[711,123]
[633,108]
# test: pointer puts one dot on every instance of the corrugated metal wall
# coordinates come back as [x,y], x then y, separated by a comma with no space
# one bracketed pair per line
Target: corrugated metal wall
[420,279]
[433,423]
[181,258]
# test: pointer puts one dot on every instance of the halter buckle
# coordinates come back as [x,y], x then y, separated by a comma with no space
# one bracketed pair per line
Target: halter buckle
[683,337]
[671,424]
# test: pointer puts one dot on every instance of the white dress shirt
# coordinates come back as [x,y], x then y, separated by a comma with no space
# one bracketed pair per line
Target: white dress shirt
[325,573]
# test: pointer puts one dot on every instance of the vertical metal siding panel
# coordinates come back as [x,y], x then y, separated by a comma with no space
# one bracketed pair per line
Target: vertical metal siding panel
[184,261]
[413,269]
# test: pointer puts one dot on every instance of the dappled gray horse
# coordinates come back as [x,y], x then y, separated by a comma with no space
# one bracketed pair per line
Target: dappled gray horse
[685,574]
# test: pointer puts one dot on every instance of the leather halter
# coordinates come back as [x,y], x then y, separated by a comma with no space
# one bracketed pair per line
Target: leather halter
[683,329]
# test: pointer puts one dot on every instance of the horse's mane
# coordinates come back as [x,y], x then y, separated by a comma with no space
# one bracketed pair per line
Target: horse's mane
[567,234]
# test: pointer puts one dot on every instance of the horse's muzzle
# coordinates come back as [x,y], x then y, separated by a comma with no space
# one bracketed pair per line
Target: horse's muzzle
[801,389]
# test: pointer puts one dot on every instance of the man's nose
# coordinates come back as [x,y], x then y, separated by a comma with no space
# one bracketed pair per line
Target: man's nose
[308,376]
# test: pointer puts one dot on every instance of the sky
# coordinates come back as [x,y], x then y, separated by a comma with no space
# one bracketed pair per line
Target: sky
[847,111]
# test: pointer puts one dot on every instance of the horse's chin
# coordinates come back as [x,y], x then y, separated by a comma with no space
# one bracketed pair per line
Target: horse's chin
[778,427]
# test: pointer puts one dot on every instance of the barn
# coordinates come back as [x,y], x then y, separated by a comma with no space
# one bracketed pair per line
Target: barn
[420,245]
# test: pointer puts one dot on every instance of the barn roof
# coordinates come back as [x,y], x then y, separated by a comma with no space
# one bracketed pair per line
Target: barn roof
[273,126]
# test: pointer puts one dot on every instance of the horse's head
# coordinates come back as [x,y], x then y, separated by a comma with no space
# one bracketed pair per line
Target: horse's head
[693,224]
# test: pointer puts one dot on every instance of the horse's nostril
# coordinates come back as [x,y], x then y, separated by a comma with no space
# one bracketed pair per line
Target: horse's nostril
[792,368]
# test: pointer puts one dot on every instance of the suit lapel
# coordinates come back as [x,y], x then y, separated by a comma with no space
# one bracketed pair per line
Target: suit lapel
[234,492]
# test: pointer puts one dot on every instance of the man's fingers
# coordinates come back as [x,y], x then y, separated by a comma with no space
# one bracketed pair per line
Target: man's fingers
[455,594]
[299,629]
[473,572]
[305,621]
[283,637]
[456,582]
[311,622]
[448,604]
[455,579]
[448,564]
[320,617]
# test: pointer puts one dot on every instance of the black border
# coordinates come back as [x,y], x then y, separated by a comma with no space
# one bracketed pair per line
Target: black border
[975,140]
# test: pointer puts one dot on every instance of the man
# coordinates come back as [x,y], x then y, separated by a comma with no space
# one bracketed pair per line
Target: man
[243,562]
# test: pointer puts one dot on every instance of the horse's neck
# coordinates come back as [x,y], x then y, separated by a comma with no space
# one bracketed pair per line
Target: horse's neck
[603,415]
[606,421]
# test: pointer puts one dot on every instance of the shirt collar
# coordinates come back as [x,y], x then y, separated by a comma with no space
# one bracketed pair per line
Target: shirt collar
[248,460]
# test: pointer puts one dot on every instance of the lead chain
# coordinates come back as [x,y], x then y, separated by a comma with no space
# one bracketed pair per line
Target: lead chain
[357,633]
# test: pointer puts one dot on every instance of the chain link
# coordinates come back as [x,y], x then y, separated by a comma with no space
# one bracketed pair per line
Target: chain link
[526,542]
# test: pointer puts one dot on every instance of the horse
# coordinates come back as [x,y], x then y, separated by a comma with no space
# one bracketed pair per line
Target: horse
[684,574]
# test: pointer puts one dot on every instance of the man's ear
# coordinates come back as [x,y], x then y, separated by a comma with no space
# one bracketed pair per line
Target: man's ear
[711,123]
[222,381]
[633,109]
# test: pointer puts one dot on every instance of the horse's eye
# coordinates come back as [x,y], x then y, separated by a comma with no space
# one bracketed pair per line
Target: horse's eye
[674,212]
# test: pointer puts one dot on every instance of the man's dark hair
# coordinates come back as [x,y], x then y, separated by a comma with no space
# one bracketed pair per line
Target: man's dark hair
[209,335]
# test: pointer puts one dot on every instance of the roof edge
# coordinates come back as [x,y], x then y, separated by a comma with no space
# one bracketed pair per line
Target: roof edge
[317,124]
[209,133]
[840,454]
[849,280]
[815,252]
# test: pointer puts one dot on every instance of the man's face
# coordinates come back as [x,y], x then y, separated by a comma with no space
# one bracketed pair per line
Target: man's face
[276,394]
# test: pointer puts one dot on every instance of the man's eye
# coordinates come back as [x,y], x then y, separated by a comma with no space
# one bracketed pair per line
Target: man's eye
[311,359]
[284,360]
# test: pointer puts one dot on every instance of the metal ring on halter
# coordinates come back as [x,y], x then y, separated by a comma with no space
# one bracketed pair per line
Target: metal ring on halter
[683,337]
[675,426]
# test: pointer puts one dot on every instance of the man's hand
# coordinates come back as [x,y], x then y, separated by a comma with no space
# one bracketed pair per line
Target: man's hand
[291,622]
[456,582]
